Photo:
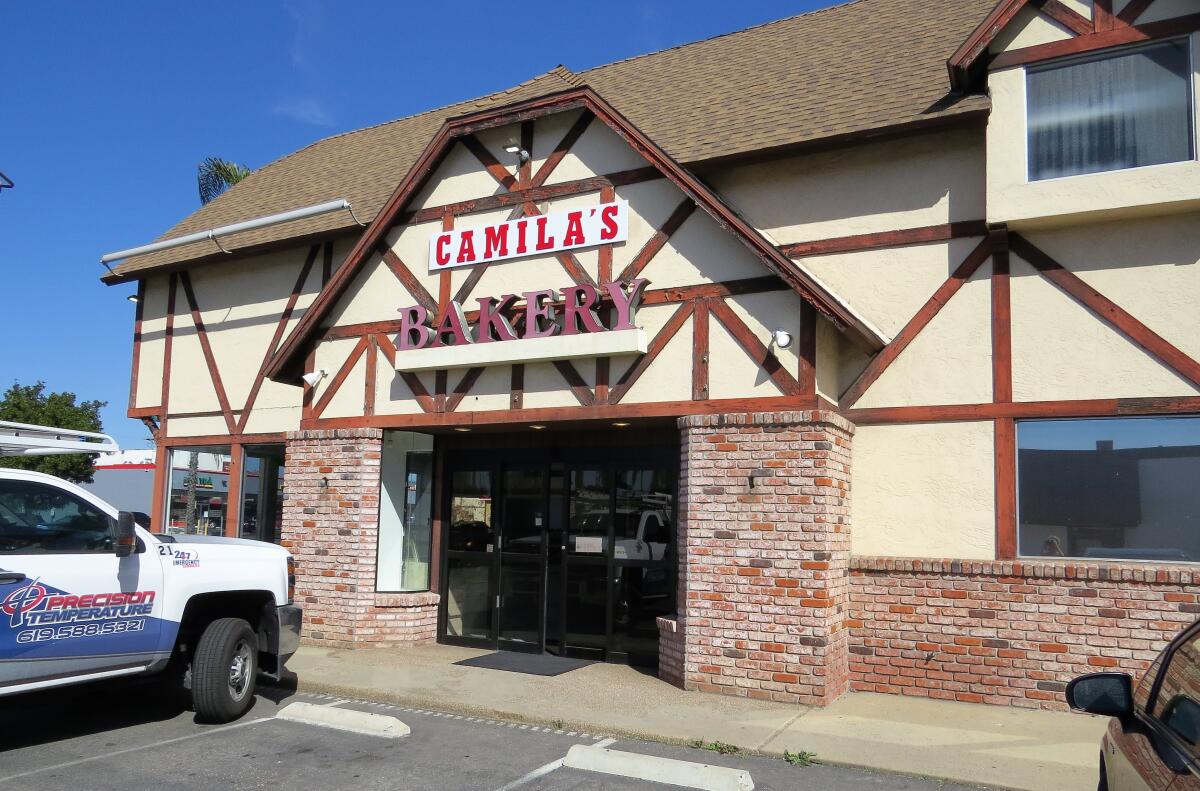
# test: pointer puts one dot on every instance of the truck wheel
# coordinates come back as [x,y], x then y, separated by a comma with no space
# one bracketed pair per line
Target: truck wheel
[224,670]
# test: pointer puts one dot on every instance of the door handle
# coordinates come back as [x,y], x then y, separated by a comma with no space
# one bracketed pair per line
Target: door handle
[9,577]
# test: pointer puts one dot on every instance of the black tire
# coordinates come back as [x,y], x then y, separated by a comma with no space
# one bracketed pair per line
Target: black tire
[224,670]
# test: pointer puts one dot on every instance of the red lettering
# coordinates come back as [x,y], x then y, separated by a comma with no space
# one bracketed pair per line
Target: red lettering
[85,600]
[466,247]
[608,221]
[580,302]
[536,311]
[148,597]
[574,235]
[413,332]
[626,303]
[117,598]
[544,242]
[495,241]
[521,225]
[492,317]
[440,253]
[100,599]
[54,602]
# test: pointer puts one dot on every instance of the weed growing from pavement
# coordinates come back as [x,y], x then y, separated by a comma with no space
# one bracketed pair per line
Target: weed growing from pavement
[558,725]
[720,748]
[800,758]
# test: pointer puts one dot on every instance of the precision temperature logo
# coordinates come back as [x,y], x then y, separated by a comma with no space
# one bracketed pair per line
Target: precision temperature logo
[21,601]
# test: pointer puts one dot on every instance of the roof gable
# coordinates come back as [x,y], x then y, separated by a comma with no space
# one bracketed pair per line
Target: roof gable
[287,364]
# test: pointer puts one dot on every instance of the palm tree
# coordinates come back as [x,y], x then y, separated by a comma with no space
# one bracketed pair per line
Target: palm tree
[215,175]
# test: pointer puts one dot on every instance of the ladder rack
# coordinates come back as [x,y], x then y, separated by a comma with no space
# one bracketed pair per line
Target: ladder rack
[22,439]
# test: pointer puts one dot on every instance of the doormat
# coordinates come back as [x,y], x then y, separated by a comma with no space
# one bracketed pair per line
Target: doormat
[531,664]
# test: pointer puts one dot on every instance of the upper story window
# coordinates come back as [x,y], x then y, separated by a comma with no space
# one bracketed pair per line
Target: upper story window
[1119,110]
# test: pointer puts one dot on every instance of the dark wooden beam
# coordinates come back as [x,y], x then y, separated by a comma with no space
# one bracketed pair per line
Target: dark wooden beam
[884,239]
[492,165]
[209,359]
[1114,315]
[569,139]
[1069,18]
[339,378]
[1132,10]
[1018,410]
[659,239]
[463,387]
[579,388]
[168,339]
[1128,34]
[1001,321]
[700,351]
[754,347]
[657,344]
[806,351]
[1005,437]
[916,324]
[135,365]
[408,279]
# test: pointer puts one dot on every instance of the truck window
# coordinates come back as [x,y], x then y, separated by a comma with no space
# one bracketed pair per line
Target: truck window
[36,518]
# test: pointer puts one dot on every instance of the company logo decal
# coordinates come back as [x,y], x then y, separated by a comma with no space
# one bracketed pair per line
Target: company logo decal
[57,615]
[184,558]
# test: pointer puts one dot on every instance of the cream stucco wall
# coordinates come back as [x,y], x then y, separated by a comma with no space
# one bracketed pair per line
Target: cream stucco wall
[1029,28]
[909,182]
[1108,196]
[923,490]
[240,304]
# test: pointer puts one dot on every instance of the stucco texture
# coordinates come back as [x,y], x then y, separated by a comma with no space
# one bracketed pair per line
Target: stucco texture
[924,490]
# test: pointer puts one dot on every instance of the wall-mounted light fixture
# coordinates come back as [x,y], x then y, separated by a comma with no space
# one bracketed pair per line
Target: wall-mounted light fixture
[521,154]
[781,338]
[312,377]
[132,298]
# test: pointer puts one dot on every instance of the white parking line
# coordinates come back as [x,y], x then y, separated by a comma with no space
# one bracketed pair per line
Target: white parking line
[127,750]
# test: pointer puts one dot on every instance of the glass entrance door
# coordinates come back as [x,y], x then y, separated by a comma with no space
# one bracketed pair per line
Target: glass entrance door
[574,558]
[470,552]
[522,542]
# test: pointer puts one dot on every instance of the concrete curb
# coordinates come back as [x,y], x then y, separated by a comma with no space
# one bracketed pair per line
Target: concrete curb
[442,705]
[654,769]
[362,722]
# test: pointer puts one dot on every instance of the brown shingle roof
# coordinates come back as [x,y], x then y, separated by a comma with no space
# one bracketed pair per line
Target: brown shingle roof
[853,68]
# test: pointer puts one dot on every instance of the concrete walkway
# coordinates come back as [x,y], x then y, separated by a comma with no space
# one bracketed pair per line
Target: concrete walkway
[966,743]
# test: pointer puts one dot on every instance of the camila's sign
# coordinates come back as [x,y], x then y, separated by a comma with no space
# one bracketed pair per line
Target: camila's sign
[504,319]
[540,235]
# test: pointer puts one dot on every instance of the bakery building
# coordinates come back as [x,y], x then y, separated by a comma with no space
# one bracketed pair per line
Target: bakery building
[853,351]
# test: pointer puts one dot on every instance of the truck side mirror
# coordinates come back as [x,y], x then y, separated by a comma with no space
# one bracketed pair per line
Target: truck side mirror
[126,537]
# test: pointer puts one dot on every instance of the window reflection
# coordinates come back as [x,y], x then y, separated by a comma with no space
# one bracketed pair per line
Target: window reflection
[1119,488]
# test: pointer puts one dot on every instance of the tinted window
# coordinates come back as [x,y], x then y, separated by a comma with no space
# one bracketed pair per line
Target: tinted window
[1119,110]
[36,518]
[1119,488]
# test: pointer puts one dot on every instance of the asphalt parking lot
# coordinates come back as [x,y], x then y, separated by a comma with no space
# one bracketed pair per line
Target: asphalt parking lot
[133,736]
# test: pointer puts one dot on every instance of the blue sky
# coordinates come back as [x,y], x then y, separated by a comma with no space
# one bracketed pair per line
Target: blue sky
[106,108]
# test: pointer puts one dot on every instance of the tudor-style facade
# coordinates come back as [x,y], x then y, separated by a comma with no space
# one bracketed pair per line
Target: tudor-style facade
[782,520]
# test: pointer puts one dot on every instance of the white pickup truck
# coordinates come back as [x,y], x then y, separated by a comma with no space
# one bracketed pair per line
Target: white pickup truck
[86,594]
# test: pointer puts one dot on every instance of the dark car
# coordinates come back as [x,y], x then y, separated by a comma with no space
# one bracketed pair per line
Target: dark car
[1152,740]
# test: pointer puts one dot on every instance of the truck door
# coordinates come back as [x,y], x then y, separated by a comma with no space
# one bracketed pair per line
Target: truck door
[68,605]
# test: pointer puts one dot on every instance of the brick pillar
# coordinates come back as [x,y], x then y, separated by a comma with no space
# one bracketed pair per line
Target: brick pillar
[764,551]
[331,526]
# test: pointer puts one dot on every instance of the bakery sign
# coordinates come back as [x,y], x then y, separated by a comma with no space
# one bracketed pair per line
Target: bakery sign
[539,235]
[534,326]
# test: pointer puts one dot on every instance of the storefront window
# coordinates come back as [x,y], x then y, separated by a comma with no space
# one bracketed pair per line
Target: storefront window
[1112,488]
[199,490]
[262,492]
[405,512]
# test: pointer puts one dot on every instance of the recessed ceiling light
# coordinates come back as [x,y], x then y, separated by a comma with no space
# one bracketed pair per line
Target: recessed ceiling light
[537,427]
[464,430]
[620,424]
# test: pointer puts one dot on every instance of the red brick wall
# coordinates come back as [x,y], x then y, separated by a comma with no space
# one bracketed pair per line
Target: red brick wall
[1008,632]
[331,526]
[763,569]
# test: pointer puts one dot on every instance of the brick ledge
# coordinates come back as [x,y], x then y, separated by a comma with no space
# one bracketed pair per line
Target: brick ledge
[419,599]
[1032,568]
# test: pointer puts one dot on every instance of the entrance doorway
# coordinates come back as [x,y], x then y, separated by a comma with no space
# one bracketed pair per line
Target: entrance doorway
[565,550]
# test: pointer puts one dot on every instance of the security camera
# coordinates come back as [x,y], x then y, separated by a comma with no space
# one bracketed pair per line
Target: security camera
[312,377]
[522,154]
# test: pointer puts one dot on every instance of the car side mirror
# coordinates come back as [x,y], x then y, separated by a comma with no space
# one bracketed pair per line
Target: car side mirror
[126,537]
[1109,694]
